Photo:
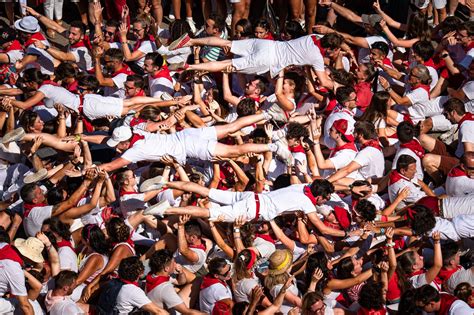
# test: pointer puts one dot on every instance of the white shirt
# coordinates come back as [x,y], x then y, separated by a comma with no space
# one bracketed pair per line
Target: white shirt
[210,295]
[460,307]
[341,159]
[416,193]
[118,90]
[419,99]
[288,199]
[34,221]
[193,267]
[285,307]
[130,203]
[372,162]
[66,306]
[67,259]
[15,55]
[458,183]
[406,151]
[364,53]
[82,58]
[165,296]
[466,134]
[243,289]
[336,115]
[59,95]
[146,47]
[468,89]
[45,62]
[158,86]
[130,297]
[446,228]
[12,278]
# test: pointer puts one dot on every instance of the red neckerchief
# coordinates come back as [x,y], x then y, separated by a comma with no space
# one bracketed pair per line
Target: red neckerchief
[35,37]
[395,176]
[200,246]
[444,274]
[8,252]
[72,87]
[269,36]
[347,146]
[124,69]
[417,273]
[27,207]
[135,138]
[78,44]
[430,63]
[296,149]
[141,93]
[457,171]
[153,281]
[364,311]
[415,146]
[317,42]
[85,42]
[208,281]
[466,117]
[424,87]
[302,100]
[163,73]
[66,243]
[123,193]
[15,45]
[371,143]
[136,121]
[470,46]
[307,192]
[266,237]
[49,82]
[139,42]
[447,301]
[129,282]
[387,62]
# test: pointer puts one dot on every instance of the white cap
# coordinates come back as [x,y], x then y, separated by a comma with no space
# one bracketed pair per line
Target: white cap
[122,133]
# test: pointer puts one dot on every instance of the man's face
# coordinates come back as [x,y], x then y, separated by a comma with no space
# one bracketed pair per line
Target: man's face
[75,35]
[352,101]
[209,28]
[252,87]
[332,53]
[123,146]
[413,77]
[376,54]
[110,64]
[410,171]
[148,66]
[130,89]
[449,116]
[39,195]
[463,38]
[109,33]
[138,30]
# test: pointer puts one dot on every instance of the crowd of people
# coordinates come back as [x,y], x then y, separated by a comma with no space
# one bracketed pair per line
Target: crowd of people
[318,159]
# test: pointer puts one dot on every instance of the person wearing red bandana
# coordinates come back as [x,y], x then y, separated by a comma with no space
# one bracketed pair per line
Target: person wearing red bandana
[369,161]
[12,277]
[409,145]
[134,86]
[254,88]
[423,53]
[215,296]
[465,36]
[11,49]
[433,302]
[295,134]
[79,44]
[144,43]
[160,287]
[131,296]
[460,180]
[159,77]
[439,161]
[405,176]
[452,272]
[117,71]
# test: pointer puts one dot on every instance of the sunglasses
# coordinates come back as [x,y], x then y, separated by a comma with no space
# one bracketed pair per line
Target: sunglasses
[225,274]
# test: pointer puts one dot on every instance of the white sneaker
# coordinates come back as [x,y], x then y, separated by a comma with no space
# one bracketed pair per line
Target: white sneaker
[36,177]
[14,135]
[284,153]
[192,25]
[228,20]
[154,183]
[158,209]
[449,136]
[165,96]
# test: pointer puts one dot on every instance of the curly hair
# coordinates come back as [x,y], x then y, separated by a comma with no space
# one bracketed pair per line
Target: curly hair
[160,259]
[130,268]
[371,296]
[423,220]
[117,230]
[296,131]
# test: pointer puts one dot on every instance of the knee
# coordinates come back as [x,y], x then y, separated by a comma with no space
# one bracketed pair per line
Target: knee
[430,161]
[425,140]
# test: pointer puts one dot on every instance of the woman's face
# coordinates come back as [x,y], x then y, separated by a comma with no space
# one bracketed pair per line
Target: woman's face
[238,32]
[260,32]
[361,73]
[318,308]
[357,266]
[419,262]
[37,125]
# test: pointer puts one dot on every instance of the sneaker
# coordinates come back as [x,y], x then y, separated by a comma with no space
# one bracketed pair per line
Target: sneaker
[228,20]
[449,136]
[14,135]
[158,209]
[277,113]
[178,66]
[36,177]
[154,183]
[180,42]
[165,96]
[283,153]
[192,25]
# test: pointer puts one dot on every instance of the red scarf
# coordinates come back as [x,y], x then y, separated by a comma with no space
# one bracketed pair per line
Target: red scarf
[7,252]
[49,82]
[35,37]
[347,146]
[153,281]
[66,243]
[424,87]
[124,69]
[269,36]
[307,192]
[371,143]
[85,42]
[129,282]
[163,73]
[342,216]
[395,176]
[265,237]
[15,45]
[364,311]
[209,280]
[141,93]
[430,63]
[457,172]
[415,146]
[447,301]
[417,273]
[387,62]
[393,291]
[200,246]
[139,42]
[317,42]
[135,138]
[444,274]
[27,207]
[470,46]
[466,117]
[296,149]
[72,87]
[123,193]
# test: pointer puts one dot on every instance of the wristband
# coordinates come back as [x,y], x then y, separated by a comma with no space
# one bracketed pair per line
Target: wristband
[345,234]
[236,230]
[388,89]
[77,137]
[391,244]
[382,230]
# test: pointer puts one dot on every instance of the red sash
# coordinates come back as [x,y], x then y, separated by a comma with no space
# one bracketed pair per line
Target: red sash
[35,37]
[415,146]
[307,192]
[447,301]
[85,42]
[347,146]
[65,243]
[154,281]
[123,193]
[457,172]
[317,42]
[265,237]
[27,207]
[7,252]
[129,282]
[200,246]
[371,143]
[15,45]
[49,82]
[135,138]
[444,274]
[466,117]
[395,176]
[296,149]
[364,311]
[208,281]
[124,69]
[139,42]
[163,73]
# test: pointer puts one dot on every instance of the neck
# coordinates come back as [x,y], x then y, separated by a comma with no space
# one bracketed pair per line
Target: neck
[162,274]
[58,292]
[340,142]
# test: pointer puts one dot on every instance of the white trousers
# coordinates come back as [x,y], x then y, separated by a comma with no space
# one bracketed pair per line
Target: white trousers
[53,7]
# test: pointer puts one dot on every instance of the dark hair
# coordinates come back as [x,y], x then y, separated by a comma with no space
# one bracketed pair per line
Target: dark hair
[216,264]
[112,23]
[366,209]
[332,41]
[371,296]
[261,83]
[95,237]
[296,131]
[467,26]
[406,131]
[342,77]
[317,260]
[117,230]
[371,71]
[345,268]
[450,23]
[64,278]
[34,75]
[281,181]
[381,46]
[242,260]
[192,227]
[426,294]
[130,268]
[156,58]
[27,192]
[448,251]
[89,82]
[79,25]
[115,54]
[59,227]
[219,21]
[27,119]
[343,94]
[263,23]
[423,221]
[404,161]
[322,188]
[366,129]
[294,29]
[159,260]
[247,27]
[177,28]
[55,196]
[418,27]
[246,107]
[424,49]
[407,304]
[150,113]
[463,291]
[64,70]
[377,108]
[137,80]
[4,236]
[455,104]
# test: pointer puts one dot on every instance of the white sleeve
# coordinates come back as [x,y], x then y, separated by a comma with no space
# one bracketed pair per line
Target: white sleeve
[146,47]
[76,54]
[468,90]
[460,307]
[119,80]
[171,298]
[417,96]
[467,133]
[134,154]
[15,55]
[220,292]
[137,296]
[418,281]
[341,160]
[47,90]
[363,157]
[380,123]
[17,281]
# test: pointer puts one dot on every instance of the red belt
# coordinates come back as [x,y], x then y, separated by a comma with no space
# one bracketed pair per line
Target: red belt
[257,205]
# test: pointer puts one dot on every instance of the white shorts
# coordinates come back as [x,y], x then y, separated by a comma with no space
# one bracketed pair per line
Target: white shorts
[464,225]
[6,307]
[200,143]
[439,4]
[246,207]
[227,197]
[254,55]
[457,205]
[98,106]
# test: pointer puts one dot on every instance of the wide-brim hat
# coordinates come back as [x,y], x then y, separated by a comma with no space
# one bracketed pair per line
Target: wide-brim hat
[30,248]
[28,24]
[280,261]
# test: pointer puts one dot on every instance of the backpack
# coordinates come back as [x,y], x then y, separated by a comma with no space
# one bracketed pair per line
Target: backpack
[108,297]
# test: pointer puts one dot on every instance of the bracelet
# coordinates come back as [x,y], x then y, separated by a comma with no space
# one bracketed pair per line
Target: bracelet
[382,230]
[391,244]
[345,234]
[388,89]
[317,142]
[77,137]
[436,242]
[236,230]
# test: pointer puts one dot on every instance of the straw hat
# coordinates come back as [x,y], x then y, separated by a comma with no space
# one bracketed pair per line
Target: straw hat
[280,261]
[30,248]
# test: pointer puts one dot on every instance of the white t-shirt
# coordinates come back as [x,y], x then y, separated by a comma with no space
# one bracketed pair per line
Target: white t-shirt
[15,55]
[58,94]
[210,295]
[446,228]
[193,267]
[458,183]
[67,259]
[285,307]
[288,199]
[45,61]
[146,47]
[12,278]
[416,193]
[83,58]
[466,134]
[66,306]
[118,90]
[419,98]
[406,151]
[130,297]
[34,221]
[243,289]
[372,161]
[130,203]
[460,307]
[468,89]
[264,248]
[158,86]
[341,159]
[165,296]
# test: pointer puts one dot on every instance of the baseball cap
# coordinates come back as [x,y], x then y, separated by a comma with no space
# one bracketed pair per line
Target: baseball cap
[7,34]
[342,125]
[122,133]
